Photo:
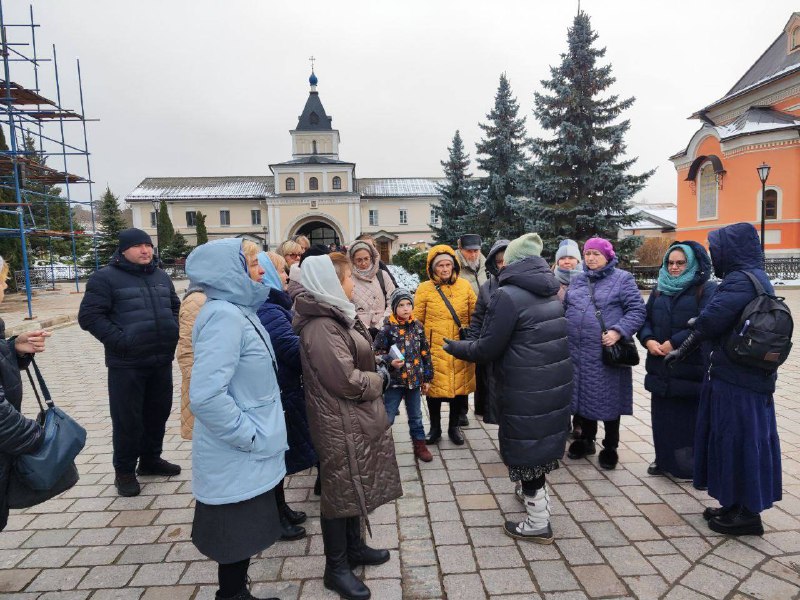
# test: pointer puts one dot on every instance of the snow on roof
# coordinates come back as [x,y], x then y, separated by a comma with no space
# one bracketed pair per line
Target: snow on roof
[176,188]
[658,216]
[400,186]
[757,120]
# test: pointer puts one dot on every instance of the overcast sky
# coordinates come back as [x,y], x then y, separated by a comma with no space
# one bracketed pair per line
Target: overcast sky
[202,88]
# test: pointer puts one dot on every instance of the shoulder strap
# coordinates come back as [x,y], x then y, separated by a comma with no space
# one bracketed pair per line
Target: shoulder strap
[756,283]
[48,400]
[381,282]
[449,307]
[597,311]
[266,345]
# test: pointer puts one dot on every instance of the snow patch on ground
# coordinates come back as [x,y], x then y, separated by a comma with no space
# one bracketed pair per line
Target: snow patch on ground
[404,279]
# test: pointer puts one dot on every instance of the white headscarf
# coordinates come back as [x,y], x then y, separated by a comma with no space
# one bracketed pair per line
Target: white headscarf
[318,276]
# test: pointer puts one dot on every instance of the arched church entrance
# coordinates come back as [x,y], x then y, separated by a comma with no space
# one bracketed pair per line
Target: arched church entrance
[320,232]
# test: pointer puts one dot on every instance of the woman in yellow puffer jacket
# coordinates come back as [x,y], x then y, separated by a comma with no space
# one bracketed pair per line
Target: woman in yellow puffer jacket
[453,379]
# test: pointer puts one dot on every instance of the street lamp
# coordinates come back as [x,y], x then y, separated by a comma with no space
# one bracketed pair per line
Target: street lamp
[763,173]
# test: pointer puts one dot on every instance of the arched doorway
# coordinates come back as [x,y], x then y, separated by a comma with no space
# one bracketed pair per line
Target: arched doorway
[319,232]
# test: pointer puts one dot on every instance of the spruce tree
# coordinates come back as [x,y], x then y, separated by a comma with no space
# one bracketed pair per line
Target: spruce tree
[456,195]
[178,248]
[111,223]
[165,230]
[200,228]
[495,213]
[580,182]
[10,246]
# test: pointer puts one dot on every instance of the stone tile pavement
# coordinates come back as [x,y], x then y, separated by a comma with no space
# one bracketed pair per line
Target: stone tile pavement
[619,534]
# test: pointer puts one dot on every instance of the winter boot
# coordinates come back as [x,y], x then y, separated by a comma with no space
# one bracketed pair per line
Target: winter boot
[463,420]
[580,448]
[737,522]
[295,517]
[358,553]
[453,428]
[338,576]
[243,595]
[158,466]
[710,513]
[127,485]
[536,527]
[654,469]
[608,458]
[289,531]
[435,410]
[421,451]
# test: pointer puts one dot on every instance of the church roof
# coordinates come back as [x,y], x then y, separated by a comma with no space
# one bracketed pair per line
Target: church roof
[314,117]
[312,159]
[178,188]
[773,64]
[400,186]
[758,119]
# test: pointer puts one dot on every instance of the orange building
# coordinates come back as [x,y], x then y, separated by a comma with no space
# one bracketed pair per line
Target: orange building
[757,121]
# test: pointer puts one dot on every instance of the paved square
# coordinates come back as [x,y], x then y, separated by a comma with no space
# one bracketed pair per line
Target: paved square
[619,534]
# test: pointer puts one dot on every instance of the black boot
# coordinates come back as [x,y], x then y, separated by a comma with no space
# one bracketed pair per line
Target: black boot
[435,410]
[127,485]
[737,522]
[289,531]
[158,466]
[710,513]
[295,517]
[358,553]
[338,576]
[581,448]
[453,429]
[243,595]
[608,457]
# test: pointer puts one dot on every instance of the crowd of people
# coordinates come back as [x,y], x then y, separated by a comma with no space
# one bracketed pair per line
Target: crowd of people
[301,358]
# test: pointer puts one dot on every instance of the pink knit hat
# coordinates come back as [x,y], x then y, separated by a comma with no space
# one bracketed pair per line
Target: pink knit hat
[603,246]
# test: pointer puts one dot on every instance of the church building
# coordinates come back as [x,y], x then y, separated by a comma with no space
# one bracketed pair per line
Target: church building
[314,193]
[756,123]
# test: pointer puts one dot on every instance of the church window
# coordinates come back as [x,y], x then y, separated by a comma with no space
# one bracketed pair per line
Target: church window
[707,193]
[403,216]
[290,184]
[795,41]
[771,205]
[224,217]
[313,146]
[337,183]
[373,217]
[313,183]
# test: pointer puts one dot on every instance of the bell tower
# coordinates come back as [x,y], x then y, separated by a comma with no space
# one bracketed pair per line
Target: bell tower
[314,134]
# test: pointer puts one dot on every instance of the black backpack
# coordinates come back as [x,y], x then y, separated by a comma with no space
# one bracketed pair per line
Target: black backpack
[763,336]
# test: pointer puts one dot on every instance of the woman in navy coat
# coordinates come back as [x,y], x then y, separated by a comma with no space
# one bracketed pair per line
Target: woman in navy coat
[276,316]
[683,290]
[737,451]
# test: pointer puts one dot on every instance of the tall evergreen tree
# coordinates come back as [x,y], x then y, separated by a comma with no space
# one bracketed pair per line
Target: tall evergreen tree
[10,246]
[456,195]
[178,248]
[580,182]
[501,154]
[111,223]
[165,230]
[200,228]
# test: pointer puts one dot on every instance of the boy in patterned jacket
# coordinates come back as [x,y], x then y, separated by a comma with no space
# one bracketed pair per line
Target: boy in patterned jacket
[401,345]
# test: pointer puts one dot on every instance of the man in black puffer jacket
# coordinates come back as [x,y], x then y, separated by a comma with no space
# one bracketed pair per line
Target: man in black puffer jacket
[132,308]
[525,334]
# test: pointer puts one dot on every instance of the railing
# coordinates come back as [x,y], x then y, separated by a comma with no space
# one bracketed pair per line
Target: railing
[45,278]
[786,269]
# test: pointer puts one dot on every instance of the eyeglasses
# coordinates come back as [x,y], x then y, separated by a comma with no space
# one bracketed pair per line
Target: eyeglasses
[676,263]
[295,255]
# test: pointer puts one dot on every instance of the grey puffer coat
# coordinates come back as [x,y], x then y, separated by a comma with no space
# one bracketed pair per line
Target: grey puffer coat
[346,415]
[18,434]
[525,335]
[600,392]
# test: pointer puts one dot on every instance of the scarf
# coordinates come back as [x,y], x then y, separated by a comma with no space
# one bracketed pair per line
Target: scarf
[271,277]
[564,276]
[672,285]
[319,278]
[602,272]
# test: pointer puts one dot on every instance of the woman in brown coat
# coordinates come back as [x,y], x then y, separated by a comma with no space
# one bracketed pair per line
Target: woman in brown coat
[347,419]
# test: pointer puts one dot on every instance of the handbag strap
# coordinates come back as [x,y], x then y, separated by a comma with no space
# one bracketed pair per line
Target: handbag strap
[449,307]
[597,312]
[269,351]
[42,385]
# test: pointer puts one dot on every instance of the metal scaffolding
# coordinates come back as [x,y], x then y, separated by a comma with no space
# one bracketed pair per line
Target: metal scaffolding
[37,128]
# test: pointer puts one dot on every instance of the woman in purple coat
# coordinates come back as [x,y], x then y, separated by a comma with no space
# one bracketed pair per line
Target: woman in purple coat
[601,393]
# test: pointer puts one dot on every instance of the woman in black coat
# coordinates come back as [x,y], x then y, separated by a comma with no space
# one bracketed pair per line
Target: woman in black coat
[18,434]
[485,378]
[682,291]
[524,334]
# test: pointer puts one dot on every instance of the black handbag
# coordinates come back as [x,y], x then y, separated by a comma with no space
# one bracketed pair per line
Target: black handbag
[462,331]
[624,353]
[51,470]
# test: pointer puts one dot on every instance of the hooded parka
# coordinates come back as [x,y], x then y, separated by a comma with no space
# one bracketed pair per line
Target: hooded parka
[475,277]
[347,419]
[451,377]
[525,336]
[239,435]
[486,382]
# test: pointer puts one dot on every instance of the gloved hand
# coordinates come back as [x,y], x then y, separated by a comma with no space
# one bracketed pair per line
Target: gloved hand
[446,346]
[384,372]
[684,350]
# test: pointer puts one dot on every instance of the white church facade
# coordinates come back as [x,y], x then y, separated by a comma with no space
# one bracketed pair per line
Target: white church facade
[315,194]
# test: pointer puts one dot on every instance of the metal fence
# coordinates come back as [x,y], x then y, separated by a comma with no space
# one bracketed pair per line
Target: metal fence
[45,278]
[786,269]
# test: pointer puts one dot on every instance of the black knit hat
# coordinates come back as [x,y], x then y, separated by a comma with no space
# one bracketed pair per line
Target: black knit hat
[133,237]
[315,250]
[398,295]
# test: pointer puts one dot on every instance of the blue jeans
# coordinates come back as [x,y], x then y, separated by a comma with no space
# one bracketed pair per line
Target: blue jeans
[391,400]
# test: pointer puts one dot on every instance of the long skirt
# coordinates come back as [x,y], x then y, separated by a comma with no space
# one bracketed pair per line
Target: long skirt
[673,434]
[737,450]
[228,533]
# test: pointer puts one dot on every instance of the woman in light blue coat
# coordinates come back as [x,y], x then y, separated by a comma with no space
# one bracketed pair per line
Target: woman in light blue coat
[239,434]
